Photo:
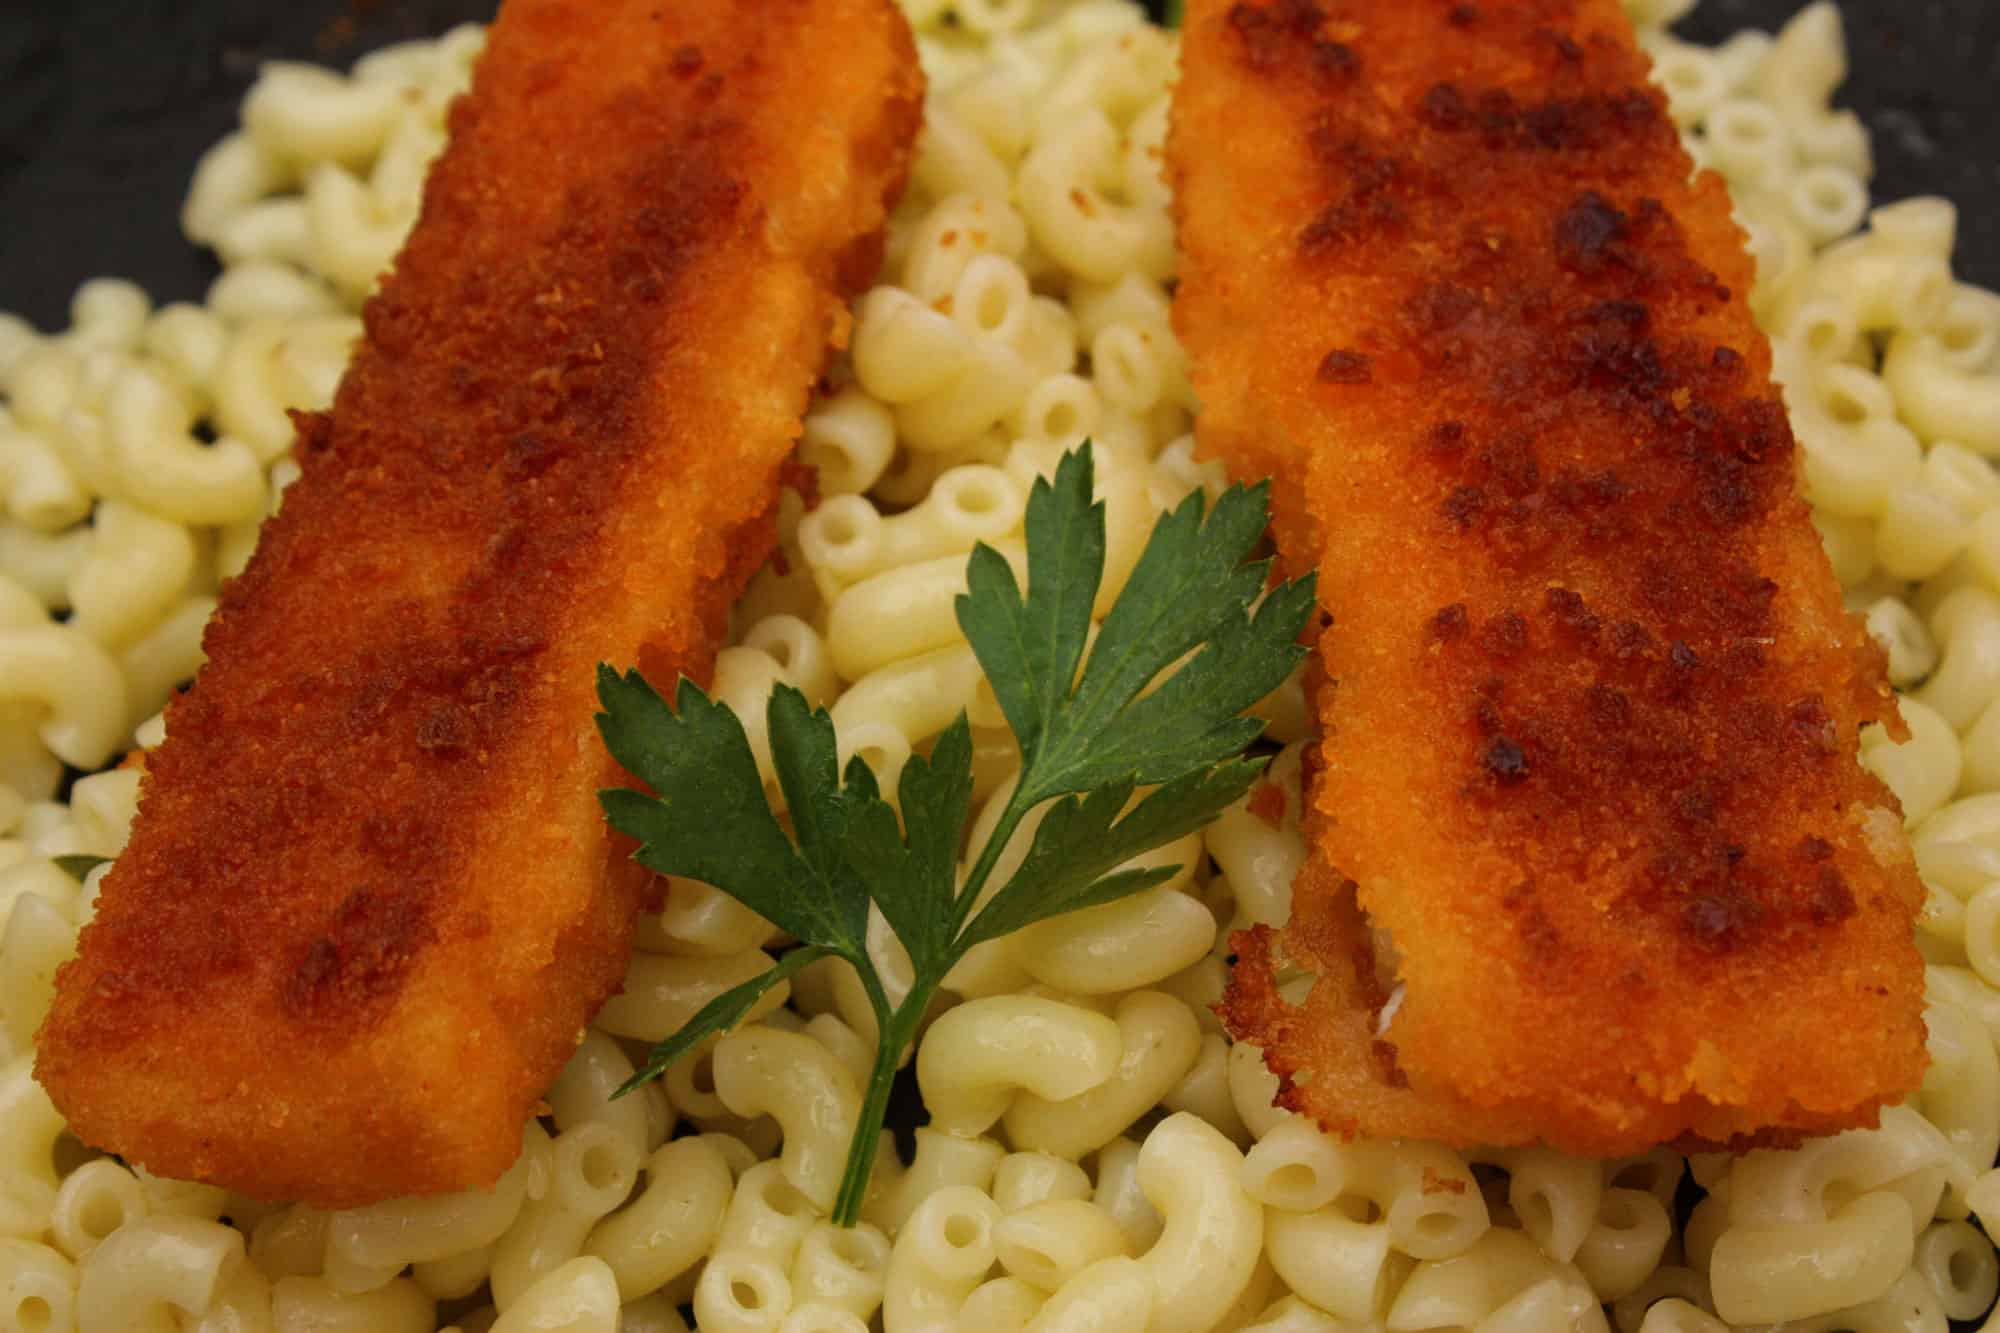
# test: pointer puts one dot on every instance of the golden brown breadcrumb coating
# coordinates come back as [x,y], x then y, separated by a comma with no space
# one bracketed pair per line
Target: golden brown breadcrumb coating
[1587,791]
[370,902]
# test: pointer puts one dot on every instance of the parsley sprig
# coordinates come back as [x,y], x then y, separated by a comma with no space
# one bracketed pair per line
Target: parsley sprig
[1090,740]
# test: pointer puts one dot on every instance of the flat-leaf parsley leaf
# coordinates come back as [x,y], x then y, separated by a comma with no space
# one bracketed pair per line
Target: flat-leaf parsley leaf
[1136,745]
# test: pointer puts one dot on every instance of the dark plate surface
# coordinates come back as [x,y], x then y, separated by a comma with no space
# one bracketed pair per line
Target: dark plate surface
[107,104]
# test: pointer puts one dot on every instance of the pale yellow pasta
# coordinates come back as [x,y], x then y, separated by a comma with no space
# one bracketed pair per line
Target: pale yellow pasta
[911,700]
[1767,1273]
[815,1318]
[1669,1284]
[313,1305]
[1069,187]
[367,1246]
[1966,625]
[1464,1289]
[582,1094]
[671,1224]
[651,1314]
[1678,1316]
[273,231]
[767,1217]
[942,1252]
[1794,1187]
[591,1171]
[1798,73]
[352,233]
[1213,1232]
[141,1274]
[302,111]
[904,350]
[901,612]
[1254,1090]
[1204,1089]
[42,562]
[579,1297]
[1136,941]
[36,939]
[1003,1304]
[1342,1265]
[1113,1295]
[37,1289]
[1292,1315]
[164,657]
[456,1277]
[1624,1245]
[1919,533]
[1904,638]
[1922,771]
[1117,1191]
[256,290]
[1556,1198]
[702,921]
[967,379]
[1956,1260]
[662,993]
[94,1201]
[138,565]
[291,1242]
[231,176]
[274,365]
[841,1268]
[1027,1179]
[1961,1092]
[149,425]
[941,1160]
[1049,1243]
[979,1054]
[1748,143]
[1261,858]
[29,1127]
[38,486]
[1556,1302]
[1939,398]
[741,1292]
[995,379]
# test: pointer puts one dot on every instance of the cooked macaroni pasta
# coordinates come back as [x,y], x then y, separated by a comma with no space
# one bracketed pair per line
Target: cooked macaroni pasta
[1098,1155]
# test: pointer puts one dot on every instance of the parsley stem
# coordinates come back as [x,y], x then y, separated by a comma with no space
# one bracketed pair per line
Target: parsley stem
[989,856]
[898,1029]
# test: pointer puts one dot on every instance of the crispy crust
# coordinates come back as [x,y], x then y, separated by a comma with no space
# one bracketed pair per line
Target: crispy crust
[370,903]
[1592,700]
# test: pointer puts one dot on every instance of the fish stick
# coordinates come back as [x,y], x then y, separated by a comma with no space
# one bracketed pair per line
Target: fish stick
[369,902]
[1593,862]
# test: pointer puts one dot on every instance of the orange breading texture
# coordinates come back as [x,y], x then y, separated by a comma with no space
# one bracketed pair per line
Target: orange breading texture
[1591,701]
[370,901]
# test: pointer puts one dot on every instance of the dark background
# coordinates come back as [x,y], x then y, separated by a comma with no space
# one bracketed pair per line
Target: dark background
[105,105]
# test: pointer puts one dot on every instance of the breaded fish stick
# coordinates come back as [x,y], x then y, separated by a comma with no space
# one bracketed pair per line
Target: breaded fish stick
[370,901]
[1594,862]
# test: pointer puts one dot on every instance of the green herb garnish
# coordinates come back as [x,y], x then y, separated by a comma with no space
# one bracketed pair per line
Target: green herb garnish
[1092,744]
[78,865]
[1172,13]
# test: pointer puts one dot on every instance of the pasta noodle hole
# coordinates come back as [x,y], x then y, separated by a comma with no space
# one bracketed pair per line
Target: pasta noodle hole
[781,1198]
[849,1250]
[1358,1208]
[34,1314]
[101,1216]
[600,1167]
[962,1231]
[1294,1180]
[1845,408]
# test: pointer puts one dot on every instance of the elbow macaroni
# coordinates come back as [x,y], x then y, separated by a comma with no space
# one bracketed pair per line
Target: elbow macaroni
[1085,1166]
